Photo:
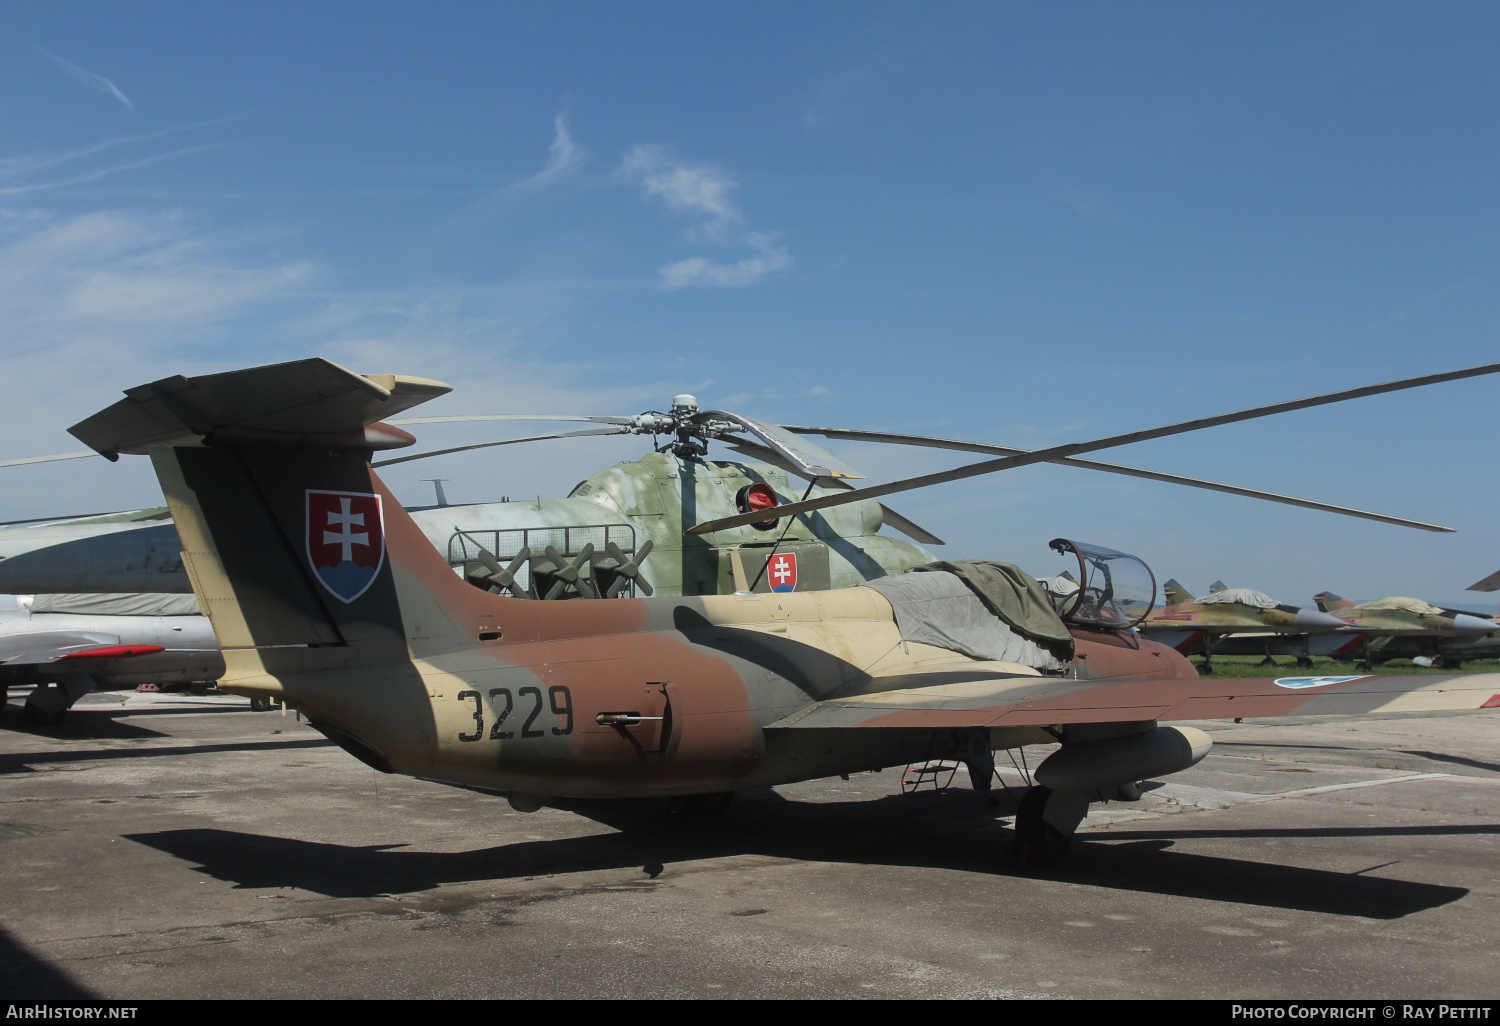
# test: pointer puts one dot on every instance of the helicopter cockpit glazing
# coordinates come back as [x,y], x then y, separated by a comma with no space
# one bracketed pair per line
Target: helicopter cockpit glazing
[1116,590]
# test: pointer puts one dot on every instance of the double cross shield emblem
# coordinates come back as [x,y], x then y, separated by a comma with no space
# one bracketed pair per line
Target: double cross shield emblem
[345,541]
[782,571]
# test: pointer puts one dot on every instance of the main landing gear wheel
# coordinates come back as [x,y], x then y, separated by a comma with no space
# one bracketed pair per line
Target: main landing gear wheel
[702,806]
[1037,842]
[1128,792]
[259,705]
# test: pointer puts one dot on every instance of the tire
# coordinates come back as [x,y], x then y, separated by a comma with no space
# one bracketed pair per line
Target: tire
[1128,792]
[1037,842]
[259,705]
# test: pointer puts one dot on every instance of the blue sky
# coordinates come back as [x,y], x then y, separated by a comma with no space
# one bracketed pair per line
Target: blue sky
[1016,223]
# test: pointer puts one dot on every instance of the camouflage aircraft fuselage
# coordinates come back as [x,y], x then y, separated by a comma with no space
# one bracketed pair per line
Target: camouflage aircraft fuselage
[1224,618]
[1396,628]
[1410,618]
[660,495]
[426,675]
[325,593]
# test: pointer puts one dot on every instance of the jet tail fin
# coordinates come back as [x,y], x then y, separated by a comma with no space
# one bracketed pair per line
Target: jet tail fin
[1327,602]
[1175,593]
[288,536]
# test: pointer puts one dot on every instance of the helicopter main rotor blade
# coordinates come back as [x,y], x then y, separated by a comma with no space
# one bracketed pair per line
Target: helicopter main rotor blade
[1075,448]
[74,516]
[506,441]
[911,529]
[49,459]
[1115,468]
[1490,583]
[811,461]
[507,416]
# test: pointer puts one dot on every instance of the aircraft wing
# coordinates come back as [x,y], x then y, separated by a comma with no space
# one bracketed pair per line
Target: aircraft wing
[938,698]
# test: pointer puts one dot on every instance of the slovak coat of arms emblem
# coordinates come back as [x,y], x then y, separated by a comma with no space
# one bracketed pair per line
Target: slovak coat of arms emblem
[782,571]
[345,541]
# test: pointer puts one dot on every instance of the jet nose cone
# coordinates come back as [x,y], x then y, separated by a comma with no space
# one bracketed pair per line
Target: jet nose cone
[1315,622]
[1473,624]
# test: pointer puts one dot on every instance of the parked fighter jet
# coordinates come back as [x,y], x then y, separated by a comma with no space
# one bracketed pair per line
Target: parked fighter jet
[68,645]
[1236,621]
[326,595]
[1407,628]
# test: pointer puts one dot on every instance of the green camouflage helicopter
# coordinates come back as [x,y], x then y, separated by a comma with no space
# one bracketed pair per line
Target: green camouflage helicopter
[631,529]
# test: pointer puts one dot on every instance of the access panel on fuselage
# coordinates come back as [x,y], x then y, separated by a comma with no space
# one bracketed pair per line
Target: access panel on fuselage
[792,566]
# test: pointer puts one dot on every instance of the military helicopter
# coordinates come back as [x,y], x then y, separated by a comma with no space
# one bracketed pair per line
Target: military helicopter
[595,543]
[327,596]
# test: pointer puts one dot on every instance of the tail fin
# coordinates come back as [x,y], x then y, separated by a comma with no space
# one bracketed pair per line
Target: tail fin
[321,589]
[285,530]
[1175,593]
[1327,602]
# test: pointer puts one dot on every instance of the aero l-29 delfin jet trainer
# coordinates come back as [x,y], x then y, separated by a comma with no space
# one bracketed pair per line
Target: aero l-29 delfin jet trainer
[324,594]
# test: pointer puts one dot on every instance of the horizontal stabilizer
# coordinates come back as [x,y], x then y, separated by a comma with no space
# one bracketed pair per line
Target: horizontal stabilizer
[311,402]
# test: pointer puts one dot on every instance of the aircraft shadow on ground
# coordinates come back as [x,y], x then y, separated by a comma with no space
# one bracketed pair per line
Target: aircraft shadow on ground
[23,762]
[1457,760]
[947,831]
[88,724]
[25,977]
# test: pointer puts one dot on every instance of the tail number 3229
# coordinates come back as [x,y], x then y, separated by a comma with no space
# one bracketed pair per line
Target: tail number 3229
[526,706]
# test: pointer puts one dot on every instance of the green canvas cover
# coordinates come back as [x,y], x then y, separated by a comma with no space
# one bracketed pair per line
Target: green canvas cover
[1015,597]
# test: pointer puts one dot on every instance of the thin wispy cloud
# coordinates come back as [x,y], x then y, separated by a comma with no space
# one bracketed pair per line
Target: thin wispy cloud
[769,258]
[102,172]
[1426,300]
[86,77]
[21,174]
[564,157]
[99,301]
[705,192]
[701,189]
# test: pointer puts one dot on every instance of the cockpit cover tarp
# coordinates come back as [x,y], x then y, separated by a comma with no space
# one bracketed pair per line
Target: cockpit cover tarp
[1410,605]
[1012,594]
[940,609]
[117,605]
[1239,597]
